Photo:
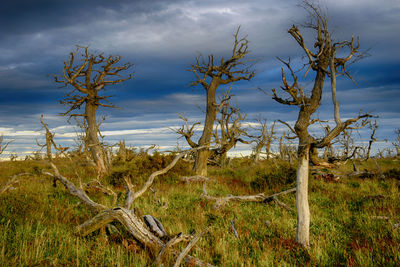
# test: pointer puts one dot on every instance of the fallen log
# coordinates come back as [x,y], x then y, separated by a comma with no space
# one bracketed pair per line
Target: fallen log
[195,179]
[221,201]
[234,229]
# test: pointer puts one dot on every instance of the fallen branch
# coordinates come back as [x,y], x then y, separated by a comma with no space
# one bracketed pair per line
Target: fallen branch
[191,244]
[360,174]
[14,180]
[234,229]
[380,218]
[134,195]
[195,178]
[97,185]
[79,193]
[175,240]
[280,203]
[221,201]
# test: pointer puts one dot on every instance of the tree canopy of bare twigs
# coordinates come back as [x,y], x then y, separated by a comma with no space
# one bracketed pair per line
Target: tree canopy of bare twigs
[88,74]
[322,59]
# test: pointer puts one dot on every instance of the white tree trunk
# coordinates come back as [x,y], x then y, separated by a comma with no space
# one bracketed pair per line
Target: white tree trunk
[303,210]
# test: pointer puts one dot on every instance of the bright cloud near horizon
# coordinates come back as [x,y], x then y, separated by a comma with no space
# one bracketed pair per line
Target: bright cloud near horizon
[162,38]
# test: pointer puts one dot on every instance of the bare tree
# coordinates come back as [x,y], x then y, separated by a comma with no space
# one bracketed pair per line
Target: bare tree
[3,145]
[229,129]
[265,139]
[89,74]
[396,143]
[347,144]
[372,139]
[227,133]
[324,62]
[211,74]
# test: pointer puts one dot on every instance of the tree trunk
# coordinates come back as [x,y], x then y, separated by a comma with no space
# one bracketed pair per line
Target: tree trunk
[223,160]
[257,153]
[94,144]
[268,149]
[303,210]
[122,151]
[202,155]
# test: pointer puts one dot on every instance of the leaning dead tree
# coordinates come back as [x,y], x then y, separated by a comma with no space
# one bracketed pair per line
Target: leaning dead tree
[324,61]
[210,74]
[88,74]
[147,230]
[3,145]
[372,139]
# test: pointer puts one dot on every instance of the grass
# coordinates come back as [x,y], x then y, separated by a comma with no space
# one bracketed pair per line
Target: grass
[37,220]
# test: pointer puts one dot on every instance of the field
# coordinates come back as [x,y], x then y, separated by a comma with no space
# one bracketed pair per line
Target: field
[354,220]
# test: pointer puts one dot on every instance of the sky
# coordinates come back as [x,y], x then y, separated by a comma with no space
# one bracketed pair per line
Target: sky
[162,39]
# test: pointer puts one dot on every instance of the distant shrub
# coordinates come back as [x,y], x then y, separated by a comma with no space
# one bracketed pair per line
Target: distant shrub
[269,178]
[392,173]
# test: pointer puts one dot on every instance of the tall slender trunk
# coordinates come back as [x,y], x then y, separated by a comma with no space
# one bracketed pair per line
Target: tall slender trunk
[202,155]
[94,144]
[257,153]
[268,149]
[303,209]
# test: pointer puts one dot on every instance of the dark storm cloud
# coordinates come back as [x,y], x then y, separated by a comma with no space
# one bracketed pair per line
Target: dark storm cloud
[162,38]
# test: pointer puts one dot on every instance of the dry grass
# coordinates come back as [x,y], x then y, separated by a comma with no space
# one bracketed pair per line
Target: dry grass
[37,219]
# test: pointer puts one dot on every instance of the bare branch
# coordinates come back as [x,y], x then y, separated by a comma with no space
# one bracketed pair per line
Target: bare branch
[191,244]
[14,180]
[151,178]
[4,146]
[221,201]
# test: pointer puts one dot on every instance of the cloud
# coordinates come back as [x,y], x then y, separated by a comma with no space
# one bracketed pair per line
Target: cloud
[162,38]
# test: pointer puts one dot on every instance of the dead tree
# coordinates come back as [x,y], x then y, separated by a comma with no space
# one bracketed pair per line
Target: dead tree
[229,129]
[348,145]
[89,74]
[122,151]
[49,142]
[4,145]
[372,139]
[210,74]
[82,139]
[265,139]
[227,133]
[147,235]
[396,143]
[323,60]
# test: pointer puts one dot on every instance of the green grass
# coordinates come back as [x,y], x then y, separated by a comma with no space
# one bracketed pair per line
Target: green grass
[37,220]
